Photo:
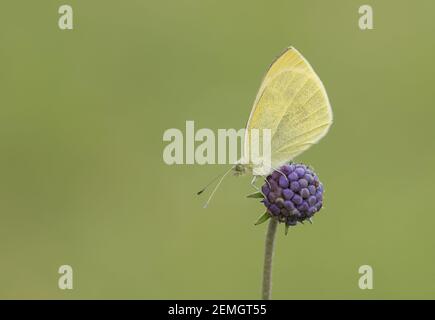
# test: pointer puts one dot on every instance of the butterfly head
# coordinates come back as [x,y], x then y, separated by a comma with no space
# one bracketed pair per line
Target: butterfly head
[240,169]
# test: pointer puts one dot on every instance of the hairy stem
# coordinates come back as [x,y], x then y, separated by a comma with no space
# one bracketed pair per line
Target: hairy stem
[268,257]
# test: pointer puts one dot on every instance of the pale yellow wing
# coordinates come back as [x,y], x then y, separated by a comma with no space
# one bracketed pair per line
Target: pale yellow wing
[293,104]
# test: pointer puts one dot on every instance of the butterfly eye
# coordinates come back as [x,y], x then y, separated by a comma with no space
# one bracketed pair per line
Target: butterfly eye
[239,168]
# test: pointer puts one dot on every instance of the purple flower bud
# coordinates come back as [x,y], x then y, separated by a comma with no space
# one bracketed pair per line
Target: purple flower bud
[272,197]
[319,196]
[283,182]
[265,189]
[273,185]
[279,202]
[303,183]
[297,199]
[296,213]
[303,207]
[300,172]
[275,175]
[284,212]
[295,186]
[293,176]
[312,210]
[305,193]
[289,205]
[312,189]
[312,200]
[288,194]
[295,196]
[309,178]
[286,169]
[274,209]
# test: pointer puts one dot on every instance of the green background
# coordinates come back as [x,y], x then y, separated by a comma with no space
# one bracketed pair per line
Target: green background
[83,183]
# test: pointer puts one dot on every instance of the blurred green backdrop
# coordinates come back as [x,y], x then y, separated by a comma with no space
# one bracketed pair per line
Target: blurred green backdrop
[82,180]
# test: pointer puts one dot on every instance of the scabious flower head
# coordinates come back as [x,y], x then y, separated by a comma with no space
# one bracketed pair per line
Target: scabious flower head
[292,194]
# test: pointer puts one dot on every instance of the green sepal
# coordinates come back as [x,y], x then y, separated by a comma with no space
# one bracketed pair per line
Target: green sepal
[286,229]
[264,217]
[255,195]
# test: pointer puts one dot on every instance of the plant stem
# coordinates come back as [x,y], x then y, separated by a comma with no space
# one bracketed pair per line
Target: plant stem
[268,257]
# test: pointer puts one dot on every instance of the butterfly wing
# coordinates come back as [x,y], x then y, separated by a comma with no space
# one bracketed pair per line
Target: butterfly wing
[293,104]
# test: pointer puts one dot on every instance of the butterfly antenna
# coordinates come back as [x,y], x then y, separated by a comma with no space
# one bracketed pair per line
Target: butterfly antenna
[217,186]
[211,182]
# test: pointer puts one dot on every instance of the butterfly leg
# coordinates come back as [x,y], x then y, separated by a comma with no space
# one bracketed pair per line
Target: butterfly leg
[282,173]
[268,183]
[254,179]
